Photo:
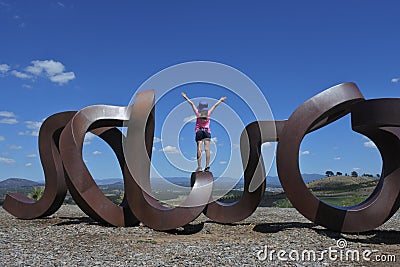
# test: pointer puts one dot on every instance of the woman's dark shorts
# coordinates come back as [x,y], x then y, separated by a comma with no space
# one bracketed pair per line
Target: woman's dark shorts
[202,134]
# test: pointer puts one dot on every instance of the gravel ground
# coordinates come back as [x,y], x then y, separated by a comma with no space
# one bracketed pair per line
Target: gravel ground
[70,238]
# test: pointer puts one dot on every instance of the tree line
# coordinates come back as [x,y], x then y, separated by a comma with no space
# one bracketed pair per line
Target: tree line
[352,174]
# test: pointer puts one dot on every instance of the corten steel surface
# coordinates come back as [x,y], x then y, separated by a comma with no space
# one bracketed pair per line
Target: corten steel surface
[23,207]
[378,119]
[83,189]
[146,208]
[251,140]
[318,111]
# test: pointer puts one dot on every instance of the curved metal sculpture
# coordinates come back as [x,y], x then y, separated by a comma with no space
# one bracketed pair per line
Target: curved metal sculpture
[81,184]
[251,140]
[23,207]
[61,139]
[315,113]
[148,209]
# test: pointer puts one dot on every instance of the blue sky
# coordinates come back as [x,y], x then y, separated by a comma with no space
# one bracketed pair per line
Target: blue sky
[66,55]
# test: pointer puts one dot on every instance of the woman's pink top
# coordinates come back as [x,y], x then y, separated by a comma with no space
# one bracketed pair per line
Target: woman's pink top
[202,122]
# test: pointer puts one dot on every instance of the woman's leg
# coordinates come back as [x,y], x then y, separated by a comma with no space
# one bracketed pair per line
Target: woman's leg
[199,144]
[207,149]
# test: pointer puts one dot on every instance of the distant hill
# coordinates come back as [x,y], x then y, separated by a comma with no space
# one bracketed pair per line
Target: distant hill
[345,183]
[108,181]
[18,182]
[272,181]
[307,177]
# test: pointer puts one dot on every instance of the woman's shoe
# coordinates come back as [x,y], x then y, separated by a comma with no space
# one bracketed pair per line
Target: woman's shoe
[199,169]
[207,169]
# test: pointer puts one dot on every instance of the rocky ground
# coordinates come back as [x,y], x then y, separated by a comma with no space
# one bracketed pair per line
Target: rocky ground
[70,238]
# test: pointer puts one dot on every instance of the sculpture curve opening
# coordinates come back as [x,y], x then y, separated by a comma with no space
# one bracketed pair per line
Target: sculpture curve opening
[378,119]
[55,188]
[252,137]
[315,113]
[146,208]
[101,120]
[62,135]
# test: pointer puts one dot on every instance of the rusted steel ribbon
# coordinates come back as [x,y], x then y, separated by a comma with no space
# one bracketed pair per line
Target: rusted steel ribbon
[376,119]
[146,208]
[89,197]
[55,190]
[251,140]
[316,112]
[83,188]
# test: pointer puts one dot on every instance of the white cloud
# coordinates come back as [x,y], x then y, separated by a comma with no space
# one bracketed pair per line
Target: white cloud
[395,80]
[369,144]
[25,133]
[97,153]
[4,68]
[14,147]
[31,156]
[50,67]
[54,70]
[156,140]
[223,162]
[60,4]
[356,169]
[28,164]
[62,78]
[2,138]
[190,119]
[169,149]
[20,75]
[266,145]
[8,121]
[8,117]
[306,152]
[337,158]
[88,138]
[7,114]
[27,86]
[33,126]
[6,161]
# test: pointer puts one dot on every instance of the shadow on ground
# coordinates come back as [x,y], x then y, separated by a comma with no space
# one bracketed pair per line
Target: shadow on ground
[387,237]
[228,224]
[277,227]
[77,220]
[188,229]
